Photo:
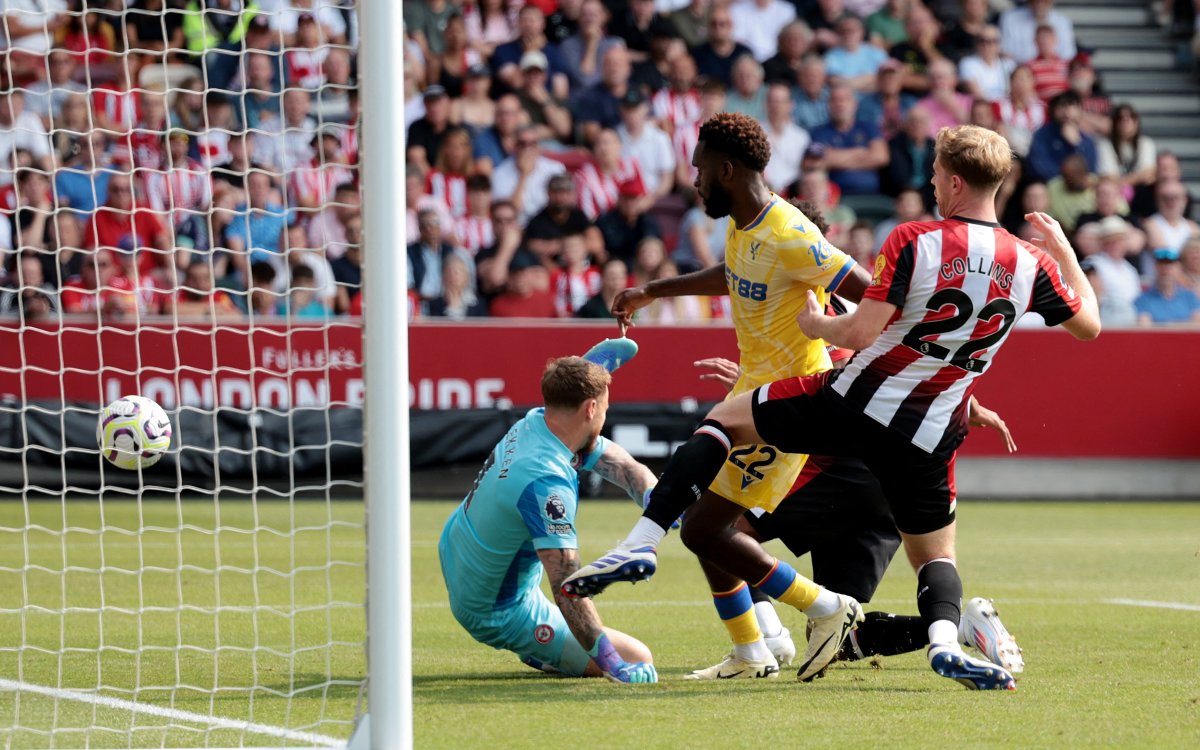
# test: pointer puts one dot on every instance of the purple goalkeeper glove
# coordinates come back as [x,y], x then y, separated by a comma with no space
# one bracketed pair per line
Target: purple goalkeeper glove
[617,669]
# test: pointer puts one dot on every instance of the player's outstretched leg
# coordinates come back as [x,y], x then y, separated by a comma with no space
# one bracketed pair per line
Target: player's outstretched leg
[689,471]
[612,353]
[981,627]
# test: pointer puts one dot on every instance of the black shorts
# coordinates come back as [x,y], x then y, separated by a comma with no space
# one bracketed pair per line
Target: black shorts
[842,519]
[804,415]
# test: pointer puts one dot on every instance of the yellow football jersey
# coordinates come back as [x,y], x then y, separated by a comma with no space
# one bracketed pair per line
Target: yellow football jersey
[769,267]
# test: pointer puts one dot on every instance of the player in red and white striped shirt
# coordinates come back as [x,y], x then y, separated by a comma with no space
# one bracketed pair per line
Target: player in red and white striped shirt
[475,230]
[943,299]
[678,106]
[597,182]
[313,185]
[181,185]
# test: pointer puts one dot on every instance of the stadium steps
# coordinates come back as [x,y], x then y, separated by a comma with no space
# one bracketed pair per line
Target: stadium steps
[1139,63]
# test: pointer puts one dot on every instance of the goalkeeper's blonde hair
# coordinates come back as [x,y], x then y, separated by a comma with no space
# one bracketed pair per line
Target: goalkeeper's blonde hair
[569,381]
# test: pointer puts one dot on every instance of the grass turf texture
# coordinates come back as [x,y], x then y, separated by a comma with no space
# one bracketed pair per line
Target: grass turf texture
[1097,674]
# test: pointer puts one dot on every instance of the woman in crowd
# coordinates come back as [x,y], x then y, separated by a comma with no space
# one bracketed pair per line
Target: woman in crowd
[1022,112]
[449,69]
[1127,154]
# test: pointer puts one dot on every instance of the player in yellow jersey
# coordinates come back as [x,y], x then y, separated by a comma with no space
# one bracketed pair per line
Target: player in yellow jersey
[774,257]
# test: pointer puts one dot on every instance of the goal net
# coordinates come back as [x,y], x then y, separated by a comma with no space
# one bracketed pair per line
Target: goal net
[179,219]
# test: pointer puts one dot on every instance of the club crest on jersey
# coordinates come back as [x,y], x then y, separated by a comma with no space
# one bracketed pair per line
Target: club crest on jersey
[543,634]
[754,246]
[555,510]
[990,268]
[880,266]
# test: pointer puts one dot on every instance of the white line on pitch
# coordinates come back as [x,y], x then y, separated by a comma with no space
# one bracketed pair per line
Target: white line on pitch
[172,713]
[1156,605]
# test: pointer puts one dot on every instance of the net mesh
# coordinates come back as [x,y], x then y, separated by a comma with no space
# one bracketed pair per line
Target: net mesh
[179,198]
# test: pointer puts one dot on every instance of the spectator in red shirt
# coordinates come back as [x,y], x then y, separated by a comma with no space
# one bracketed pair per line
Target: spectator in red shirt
[122,224]
[527,294]
[145,141]
[98,287]
[577,280]
[1050,72]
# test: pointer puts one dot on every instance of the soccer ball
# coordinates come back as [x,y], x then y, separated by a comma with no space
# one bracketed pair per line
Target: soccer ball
[133,432]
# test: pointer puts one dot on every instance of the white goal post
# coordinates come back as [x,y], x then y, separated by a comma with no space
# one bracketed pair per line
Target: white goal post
[180,219]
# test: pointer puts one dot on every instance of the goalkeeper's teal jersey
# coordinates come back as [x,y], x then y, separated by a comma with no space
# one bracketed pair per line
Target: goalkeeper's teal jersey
[523,500]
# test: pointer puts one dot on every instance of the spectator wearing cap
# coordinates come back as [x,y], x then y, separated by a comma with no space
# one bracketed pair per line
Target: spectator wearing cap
[447,181]
[757,23]
[747,95]
[795,41]
[1018,27]
[889,104]
[625,226]
[583,51]
[597,182]
[788,140]
[494,144]
[1059,138]
[598,107]
[885,27]
[1167,301]
[546,112]
[812,95]
[1050,72]
[691,21]
[614,278]
[448,69]
[426,134]
[910,157]
[426,21]
[1120,280]
[427,255]
[561,217]
[654,73]
[527,292]
[488,25]
[1169,228]
[985,74]
[522,177]
[919,49]
[1072,193]
[633,25]
[475,110]
[1097,107]
[945,105]
[853,61]
[854,150]
[1021,112]
[678,106]
[715,57]
[647,145]
[531,27]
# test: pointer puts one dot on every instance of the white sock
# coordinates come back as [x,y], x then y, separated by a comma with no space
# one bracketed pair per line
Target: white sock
[826,604]
[944,633]
[768,619]
[756,651]
[646,533]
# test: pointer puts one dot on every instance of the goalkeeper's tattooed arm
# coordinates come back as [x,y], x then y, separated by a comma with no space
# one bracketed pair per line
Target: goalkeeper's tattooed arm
[620,468]
[580,613]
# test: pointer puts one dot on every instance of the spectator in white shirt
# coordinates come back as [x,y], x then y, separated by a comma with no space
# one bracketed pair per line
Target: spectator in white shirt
[287,145]
[757,23]
[788,140]
[985,74]
[45,98]
[647,144]
[522,177]
[20,130]
[1120,280]
[1019,25]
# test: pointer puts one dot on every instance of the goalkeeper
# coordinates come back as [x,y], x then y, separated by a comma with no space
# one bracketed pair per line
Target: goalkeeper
[519,520]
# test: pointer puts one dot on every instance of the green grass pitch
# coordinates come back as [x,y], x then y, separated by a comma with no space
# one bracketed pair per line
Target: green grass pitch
[1098,674]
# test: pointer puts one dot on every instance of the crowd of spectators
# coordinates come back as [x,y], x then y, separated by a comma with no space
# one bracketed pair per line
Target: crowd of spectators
[200,157]
[196,158]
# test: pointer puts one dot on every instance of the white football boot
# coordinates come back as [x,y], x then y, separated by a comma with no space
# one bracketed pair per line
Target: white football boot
[980,627]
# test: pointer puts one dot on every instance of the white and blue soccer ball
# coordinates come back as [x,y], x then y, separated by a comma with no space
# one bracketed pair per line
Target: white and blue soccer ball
[133,432]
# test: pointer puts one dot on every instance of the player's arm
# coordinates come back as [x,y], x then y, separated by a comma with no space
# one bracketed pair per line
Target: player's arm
[854,284]
[709,281]
[1085,323]
[858,330]
[584,621]
[617,466]
[980,416]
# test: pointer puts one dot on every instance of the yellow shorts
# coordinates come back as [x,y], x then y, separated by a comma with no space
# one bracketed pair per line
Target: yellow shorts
[757,476]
